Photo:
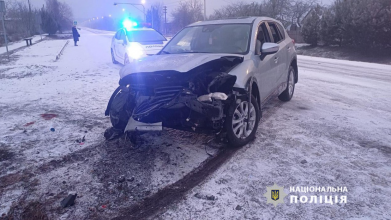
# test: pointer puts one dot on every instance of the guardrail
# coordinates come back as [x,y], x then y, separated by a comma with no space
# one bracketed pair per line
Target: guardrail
[62,50]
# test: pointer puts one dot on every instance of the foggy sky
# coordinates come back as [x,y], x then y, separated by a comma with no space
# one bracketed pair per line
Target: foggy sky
[86,9]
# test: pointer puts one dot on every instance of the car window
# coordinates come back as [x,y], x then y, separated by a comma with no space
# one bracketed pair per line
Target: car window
[215,38]
[117,35]
[281,29]
[263,34]
[275,33]
[262,37]
[123,36]
[144,36]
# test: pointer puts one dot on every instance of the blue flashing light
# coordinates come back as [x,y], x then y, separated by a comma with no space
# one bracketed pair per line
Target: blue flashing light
[128,24]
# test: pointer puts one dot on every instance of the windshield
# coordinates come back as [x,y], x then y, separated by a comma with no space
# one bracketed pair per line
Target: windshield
[217,38]
[144,36]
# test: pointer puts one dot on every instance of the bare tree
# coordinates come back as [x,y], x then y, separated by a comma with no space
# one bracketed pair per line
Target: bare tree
[187,12]
[299,9]
[285,11]
[155,15]
[61,13]
[21,22]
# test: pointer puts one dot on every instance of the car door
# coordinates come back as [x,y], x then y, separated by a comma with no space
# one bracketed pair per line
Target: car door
[266,65]
[282,55]
[120,46]
[116,45]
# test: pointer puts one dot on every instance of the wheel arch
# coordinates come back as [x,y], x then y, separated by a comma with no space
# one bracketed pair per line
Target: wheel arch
[254,89]
[295,67]
[255,93]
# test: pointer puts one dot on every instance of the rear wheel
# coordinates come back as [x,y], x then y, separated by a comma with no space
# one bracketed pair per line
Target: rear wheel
[287,94]
[112,57]
[241,126]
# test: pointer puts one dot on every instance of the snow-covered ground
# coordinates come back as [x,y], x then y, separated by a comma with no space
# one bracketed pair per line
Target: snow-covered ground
[36,161]
[19,44]
[335,132]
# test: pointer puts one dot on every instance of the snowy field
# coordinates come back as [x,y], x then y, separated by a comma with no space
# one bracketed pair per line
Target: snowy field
[336,131]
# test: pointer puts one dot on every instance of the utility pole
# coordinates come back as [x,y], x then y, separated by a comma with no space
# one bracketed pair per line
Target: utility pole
[165,19]
[204,10]
[30,26]
[153,12]
[2,14]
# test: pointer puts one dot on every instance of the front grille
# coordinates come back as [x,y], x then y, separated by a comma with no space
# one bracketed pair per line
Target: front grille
[163,95]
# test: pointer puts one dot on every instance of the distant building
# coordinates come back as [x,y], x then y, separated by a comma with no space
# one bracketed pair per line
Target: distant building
[294,29]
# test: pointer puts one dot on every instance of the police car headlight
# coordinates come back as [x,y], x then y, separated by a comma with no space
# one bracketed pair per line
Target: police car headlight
[135,51]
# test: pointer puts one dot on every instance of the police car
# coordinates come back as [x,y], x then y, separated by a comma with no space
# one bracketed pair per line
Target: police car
[132,43]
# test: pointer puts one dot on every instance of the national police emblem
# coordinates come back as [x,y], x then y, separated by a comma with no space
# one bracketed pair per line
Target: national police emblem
[275,194]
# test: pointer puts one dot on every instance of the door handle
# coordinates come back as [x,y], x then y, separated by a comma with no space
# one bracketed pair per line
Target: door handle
[275,59]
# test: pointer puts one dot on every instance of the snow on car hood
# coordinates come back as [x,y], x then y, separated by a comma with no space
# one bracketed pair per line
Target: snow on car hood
[174,62]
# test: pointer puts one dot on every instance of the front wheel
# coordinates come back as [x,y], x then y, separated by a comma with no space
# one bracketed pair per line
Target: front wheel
[287,94]
[112,57]
[241,126]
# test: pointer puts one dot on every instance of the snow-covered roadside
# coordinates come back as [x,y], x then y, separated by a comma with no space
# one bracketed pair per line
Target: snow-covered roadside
[19,44]
[336,132]
[69,88]
[37,164]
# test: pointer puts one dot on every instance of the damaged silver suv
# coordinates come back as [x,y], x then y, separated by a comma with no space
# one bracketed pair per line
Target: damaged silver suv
[213,76]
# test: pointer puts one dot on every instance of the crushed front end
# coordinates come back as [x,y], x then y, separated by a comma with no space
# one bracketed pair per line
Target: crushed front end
[196,100]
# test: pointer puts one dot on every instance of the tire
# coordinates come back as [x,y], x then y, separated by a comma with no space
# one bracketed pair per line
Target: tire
[234,135]
[287,94]
[113,58]
[119,115]
[117,119]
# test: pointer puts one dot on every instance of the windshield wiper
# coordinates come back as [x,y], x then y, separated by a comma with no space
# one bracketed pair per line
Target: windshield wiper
[194,52]
[165,52]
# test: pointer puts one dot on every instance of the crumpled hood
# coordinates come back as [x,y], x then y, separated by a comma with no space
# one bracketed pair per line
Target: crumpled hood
[173,62]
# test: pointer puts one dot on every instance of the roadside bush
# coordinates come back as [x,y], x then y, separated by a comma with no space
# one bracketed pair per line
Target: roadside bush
[48,24]
[311,26]
[357,23]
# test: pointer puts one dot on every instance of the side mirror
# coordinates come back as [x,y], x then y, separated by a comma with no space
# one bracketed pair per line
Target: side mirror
[269,48]
[124,42]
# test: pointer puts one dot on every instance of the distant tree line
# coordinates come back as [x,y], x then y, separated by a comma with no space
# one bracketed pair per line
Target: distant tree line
[286,11]
[186,13]
[154,16]
[354,23]
[56,16]
[20,22]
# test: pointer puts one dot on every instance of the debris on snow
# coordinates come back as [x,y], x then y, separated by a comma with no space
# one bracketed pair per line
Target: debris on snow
[121,179]
[69,200]
[49,116]
[30,123]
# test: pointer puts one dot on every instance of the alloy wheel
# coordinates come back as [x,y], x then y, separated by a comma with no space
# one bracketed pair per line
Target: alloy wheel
[243,123]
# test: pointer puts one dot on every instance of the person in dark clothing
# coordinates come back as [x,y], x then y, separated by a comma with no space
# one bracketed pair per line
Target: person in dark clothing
[76,35]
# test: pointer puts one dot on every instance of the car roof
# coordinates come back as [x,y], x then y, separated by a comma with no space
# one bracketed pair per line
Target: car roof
[242,20]
[139,29]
